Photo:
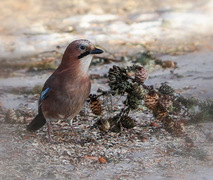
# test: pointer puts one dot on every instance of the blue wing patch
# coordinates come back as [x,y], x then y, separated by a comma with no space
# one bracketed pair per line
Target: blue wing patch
[44,93]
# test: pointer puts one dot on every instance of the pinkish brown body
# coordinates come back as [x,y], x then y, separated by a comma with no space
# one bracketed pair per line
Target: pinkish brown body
[66,90]
[70,93]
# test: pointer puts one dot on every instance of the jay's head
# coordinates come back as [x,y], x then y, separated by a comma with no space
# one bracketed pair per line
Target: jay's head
[80,53]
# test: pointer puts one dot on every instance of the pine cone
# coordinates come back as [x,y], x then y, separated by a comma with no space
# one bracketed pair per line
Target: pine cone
[176,128]
[141,74]
[127,122]
[21,119]
[95,105]
[135,95]
[166,89]
[179,129]
[165,102]
[114,124]
[114,72]
[138,91]
[118,80]
[11,116]
[159,113]
[103,125]
[168,124]
[168,64]
[133,102]
[151,100]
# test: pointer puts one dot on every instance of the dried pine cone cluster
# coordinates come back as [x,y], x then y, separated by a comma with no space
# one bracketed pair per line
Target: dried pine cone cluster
[165,104]
[115,123]
[119,121]
[162,104]
[169,107]
[120,82]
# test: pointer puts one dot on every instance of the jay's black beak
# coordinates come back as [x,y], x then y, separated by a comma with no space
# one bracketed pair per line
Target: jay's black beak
[96,51]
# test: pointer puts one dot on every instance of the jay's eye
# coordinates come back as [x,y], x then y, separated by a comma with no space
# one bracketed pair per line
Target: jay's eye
[82,47]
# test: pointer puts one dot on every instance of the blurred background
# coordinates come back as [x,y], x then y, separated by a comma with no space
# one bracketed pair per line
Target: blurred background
[28,27]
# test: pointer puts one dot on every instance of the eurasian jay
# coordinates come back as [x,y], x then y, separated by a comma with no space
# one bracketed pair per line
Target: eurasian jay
[66,90]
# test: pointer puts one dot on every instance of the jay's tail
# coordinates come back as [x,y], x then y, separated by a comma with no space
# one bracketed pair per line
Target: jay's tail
[37,122]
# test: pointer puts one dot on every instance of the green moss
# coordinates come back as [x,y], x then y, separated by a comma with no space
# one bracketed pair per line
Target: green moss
[13,66]
[8,68]
[36,89]
[144,58]
[25,90]
[43,65]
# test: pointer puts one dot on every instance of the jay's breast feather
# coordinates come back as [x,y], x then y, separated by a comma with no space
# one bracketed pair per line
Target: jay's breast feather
[67,100]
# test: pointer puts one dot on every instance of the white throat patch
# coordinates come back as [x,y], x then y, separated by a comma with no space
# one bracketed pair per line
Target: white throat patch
[85,62]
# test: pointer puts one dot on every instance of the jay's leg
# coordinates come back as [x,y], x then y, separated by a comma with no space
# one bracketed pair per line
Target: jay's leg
[74,132]
[73,129]
[49,130]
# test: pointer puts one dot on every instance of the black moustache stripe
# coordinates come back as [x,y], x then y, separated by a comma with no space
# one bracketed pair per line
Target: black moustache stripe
[84,54]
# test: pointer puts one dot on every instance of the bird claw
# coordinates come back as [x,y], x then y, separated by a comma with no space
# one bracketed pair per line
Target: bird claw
[51,141]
